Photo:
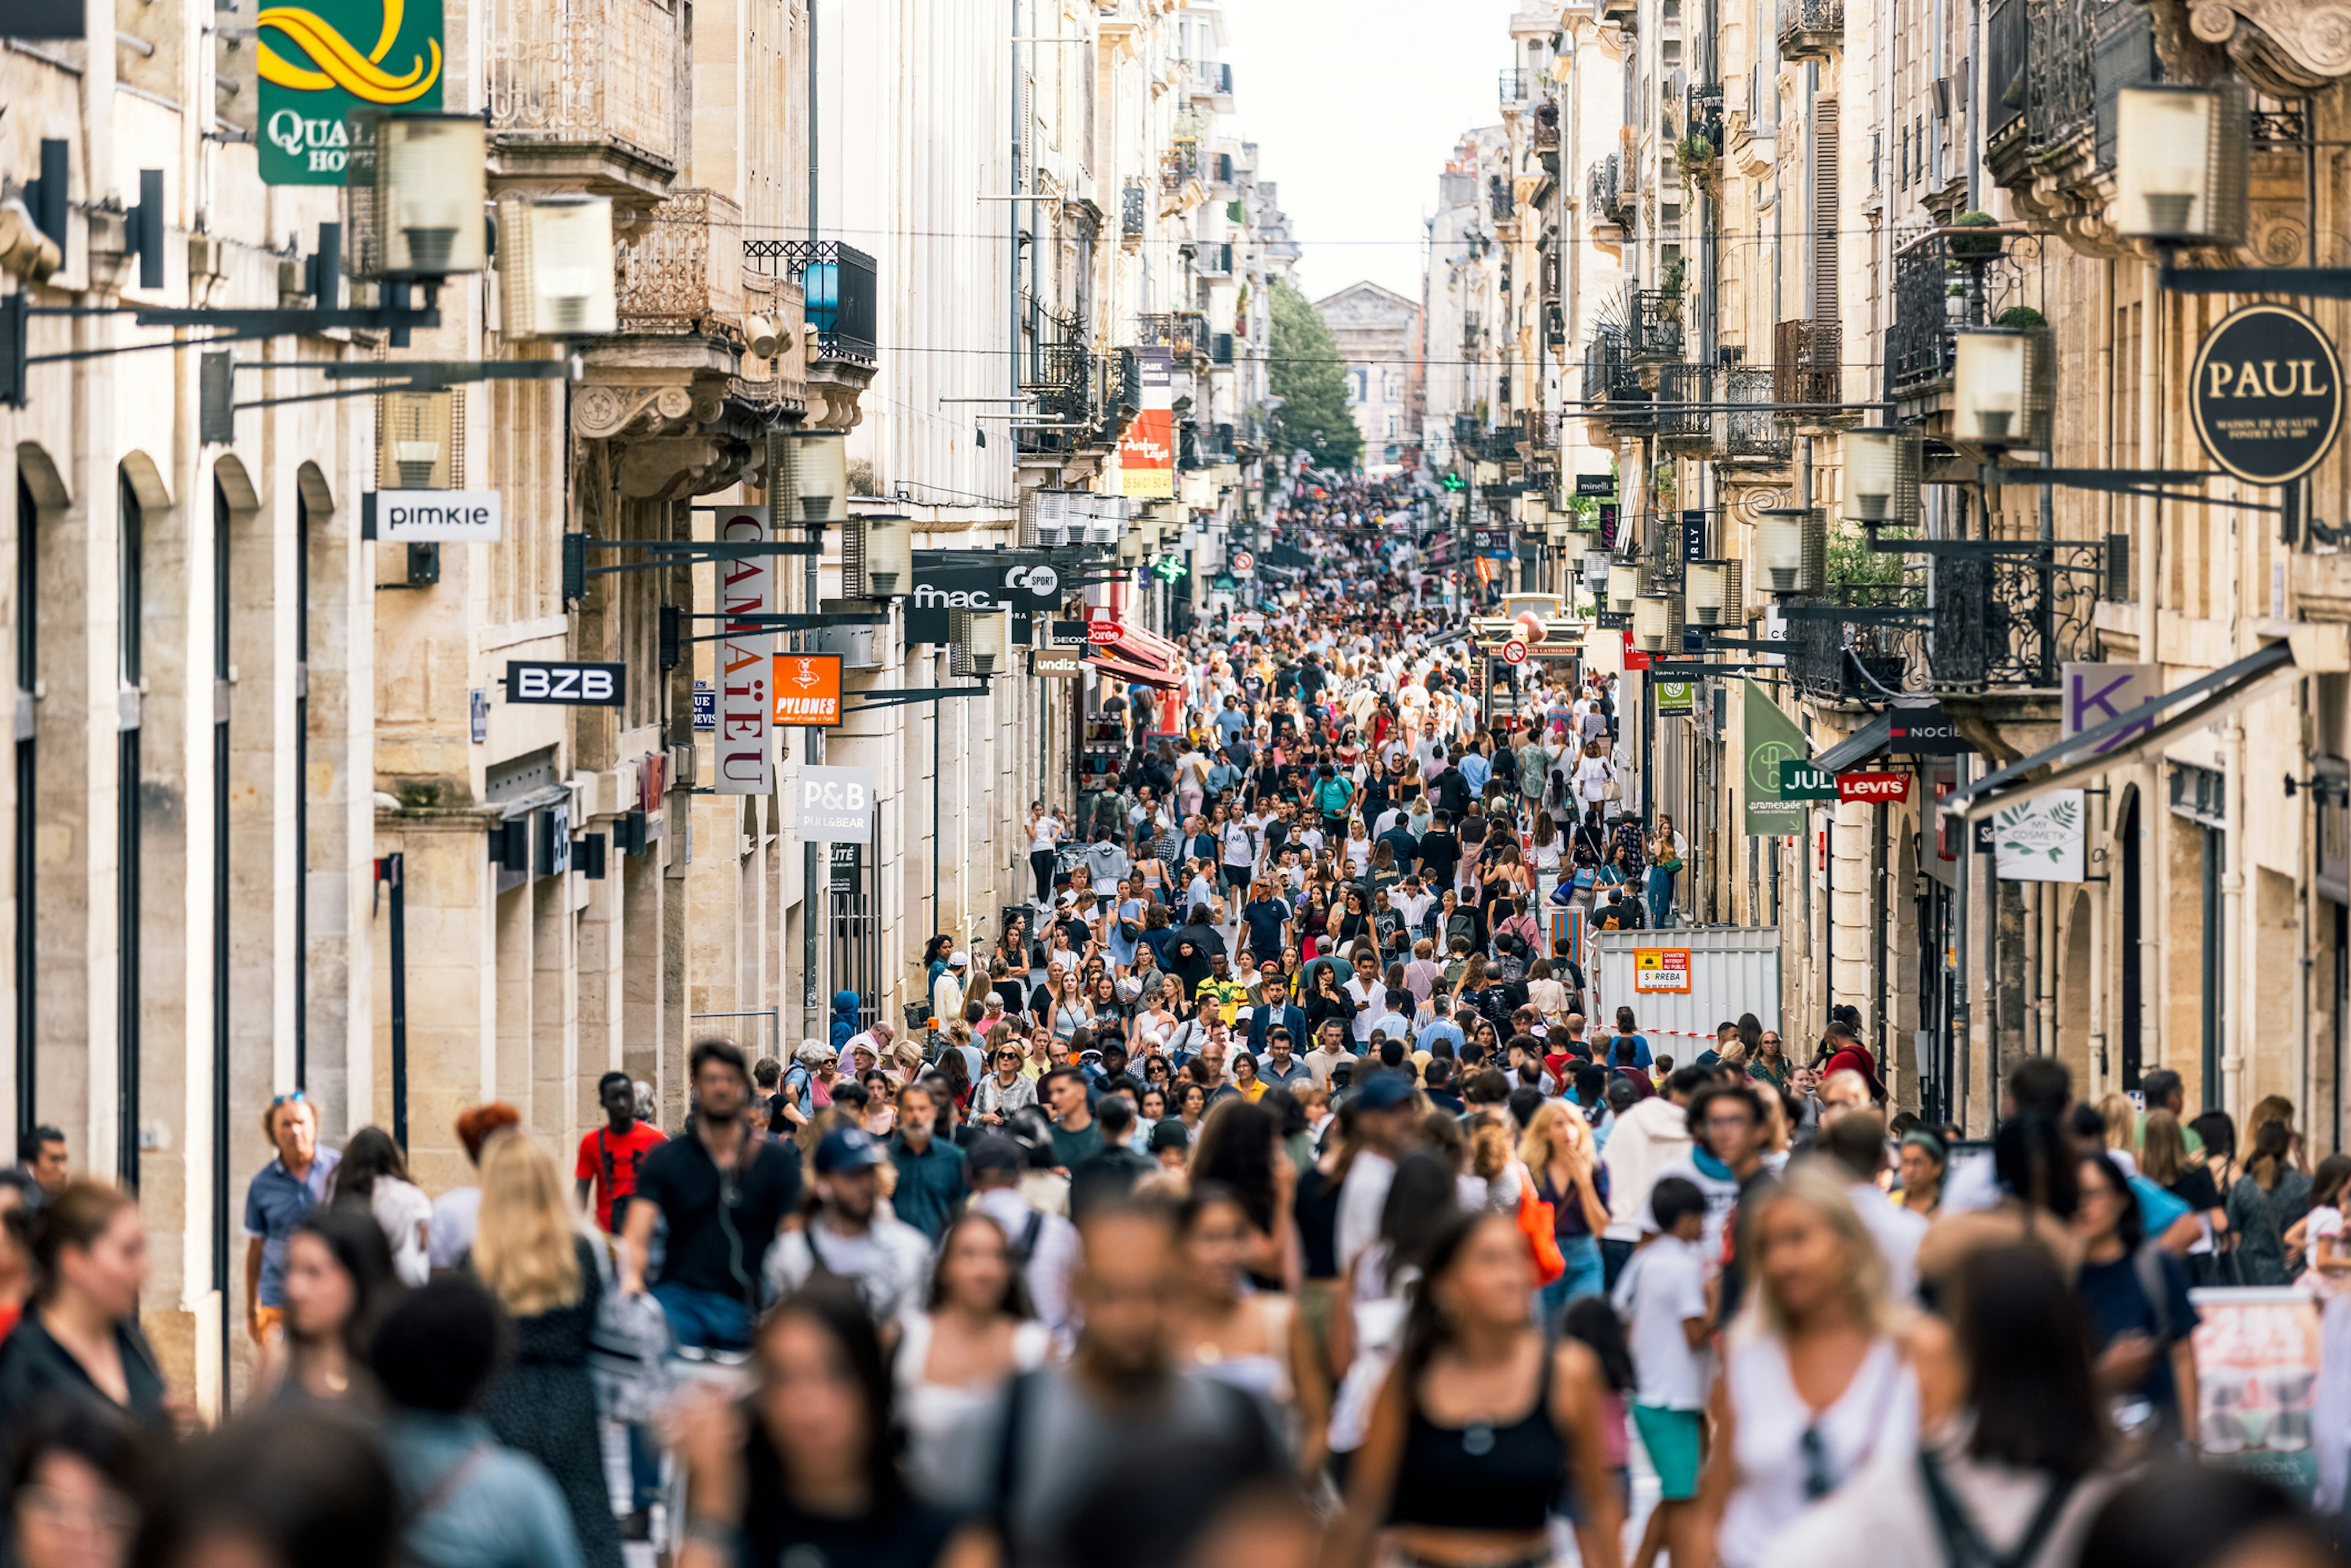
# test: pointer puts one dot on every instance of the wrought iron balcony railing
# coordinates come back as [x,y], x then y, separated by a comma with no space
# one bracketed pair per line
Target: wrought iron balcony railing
[1611,387]
[1930,295]
[1058,371]
[1185,332]
[1858,641]
[1810,28]
[2014,618]
[1690,431]
[840,282]
[1766,436]
[1606,195]
[1512,88]
[2054,68]
[1180,165]
[1214,260]
[1658,324]
[1806,359]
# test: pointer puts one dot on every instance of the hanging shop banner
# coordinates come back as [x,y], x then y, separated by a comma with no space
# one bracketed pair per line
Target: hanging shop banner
[1633,658]
[747,763]
[1773,738]
[2096,694]
[2267,393]
[320,59]
[1595,485]
[1662,969]
[1694,534]
[2041,840]
[1923,729]
[836,806]
[1874,789]
[1677,699]
[415,516]
[1608,515]
[1800,780]
[1494,543]
[566,685]
[950,579]
[808,689]
[1147,453]
[2257,1382]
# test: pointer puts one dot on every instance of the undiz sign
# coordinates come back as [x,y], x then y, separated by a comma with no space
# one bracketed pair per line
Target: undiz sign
[417,516]
[2267,394]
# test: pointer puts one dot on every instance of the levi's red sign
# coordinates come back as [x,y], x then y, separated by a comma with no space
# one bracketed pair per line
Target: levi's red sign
[1874,786]
[1102,632]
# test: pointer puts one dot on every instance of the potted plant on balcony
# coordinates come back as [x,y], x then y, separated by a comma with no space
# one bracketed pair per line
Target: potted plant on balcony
[1970,246]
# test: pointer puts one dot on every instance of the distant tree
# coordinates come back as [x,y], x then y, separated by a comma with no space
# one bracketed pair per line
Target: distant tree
[1307,375]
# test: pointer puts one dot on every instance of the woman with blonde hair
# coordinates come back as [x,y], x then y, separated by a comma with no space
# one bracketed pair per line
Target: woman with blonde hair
[1557,1151]
[530,1253]
[1820,1374]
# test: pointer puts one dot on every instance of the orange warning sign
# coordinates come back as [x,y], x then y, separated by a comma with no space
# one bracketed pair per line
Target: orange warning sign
[808,688]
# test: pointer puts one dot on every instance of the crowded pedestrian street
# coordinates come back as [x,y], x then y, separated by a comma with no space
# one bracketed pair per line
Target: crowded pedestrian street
[1176,784]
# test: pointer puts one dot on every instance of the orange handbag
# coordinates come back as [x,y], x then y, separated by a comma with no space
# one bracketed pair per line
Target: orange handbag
[1537,1223]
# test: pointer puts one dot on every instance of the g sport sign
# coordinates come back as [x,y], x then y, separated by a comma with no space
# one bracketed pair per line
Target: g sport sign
[2267,394]
[808,689]
[414,517]
[320,59]
[948,579]
[546,681]
[836,805]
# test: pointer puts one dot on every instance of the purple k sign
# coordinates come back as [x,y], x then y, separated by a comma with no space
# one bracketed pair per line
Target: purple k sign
[2099,693]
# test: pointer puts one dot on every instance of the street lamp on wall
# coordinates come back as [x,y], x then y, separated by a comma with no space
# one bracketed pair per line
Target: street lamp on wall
[1658,622]
[1791,547]
[555,267]
[2182,155]
[1881,477]
[419,186]
[1623,587]
[981,641]
[2002,390]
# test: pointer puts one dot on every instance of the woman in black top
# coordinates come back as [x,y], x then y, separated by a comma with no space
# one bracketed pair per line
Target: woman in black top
[1460,1465]
[1326,999]
[806,1470]
[1357,921]
[79,1337]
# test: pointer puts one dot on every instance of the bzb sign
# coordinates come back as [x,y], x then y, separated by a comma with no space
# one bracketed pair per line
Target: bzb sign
[569,685]
[2268,399]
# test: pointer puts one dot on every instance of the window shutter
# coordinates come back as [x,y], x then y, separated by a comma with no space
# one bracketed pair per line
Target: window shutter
[1825,209]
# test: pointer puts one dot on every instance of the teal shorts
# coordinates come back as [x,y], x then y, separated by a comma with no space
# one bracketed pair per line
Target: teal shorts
[1671,1437]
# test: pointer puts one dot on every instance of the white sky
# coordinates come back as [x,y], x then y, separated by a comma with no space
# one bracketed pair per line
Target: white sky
[1355,106]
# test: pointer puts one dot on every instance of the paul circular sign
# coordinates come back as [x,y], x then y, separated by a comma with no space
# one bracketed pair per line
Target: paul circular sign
[2268,399]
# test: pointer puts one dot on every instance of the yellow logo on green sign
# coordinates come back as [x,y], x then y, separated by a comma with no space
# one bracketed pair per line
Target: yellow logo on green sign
[319,62]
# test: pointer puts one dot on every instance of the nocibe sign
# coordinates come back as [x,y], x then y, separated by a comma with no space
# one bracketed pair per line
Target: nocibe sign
[2268,395]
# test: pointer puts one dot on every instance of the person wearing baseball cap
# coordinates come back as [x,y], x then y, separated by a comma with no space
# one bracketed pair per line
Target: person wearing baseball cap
[946,991]
[886,1259]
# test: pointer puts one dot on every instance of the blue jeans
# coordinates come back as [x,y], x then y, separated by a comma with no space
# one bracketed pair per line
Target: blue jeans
[1661,898]
[645,1469]
[704,1317]
[1582,1277]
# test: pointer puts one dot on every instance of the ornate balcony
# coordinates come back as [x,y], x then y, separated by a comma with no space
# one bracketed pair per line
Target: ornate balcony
[1811,29]
[1692,433]
[1058,371]
[1765,438]
[1184,333]
[841,288]
[583,95]
[1857,641]
[1612,392]
[1656,325]
[1608,210]
[2013,620]
[1929,297]
[1807,362]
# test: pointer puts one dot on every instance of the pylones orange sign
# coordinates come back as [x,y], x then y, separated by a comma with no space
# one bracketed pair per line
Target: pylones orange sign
[808,689]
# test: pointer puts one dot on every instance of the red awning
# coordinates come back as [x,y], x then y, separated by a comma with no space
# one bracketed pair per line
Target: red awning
[1128,670]
[1139,645]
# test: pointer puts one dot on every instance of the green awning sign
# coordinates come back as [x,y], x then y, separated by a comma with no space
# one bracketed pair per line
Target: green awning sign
[1771,739]
[1800,780]
[1677,699]
[318,62]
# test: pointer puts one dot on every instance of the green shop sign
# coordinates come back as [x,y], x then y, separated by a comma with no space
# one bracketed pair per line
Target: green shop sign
[1771,739]
[318,62]
[1800,780]
[1677,699]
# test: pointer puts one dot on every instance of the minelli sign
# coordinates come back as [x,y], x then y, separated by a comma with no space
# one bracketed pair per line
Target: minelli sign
[1874,789]
[2267,396]
[746,762]
[320,61]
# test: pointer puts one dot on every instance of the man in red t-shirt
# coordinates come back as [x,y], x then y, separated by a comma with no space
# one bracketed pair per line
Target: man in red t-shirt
[610,1155]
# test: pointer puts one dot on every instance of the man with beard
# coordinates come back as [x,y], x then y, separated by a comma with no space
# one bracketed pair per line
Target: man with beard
[724,1192]
[886,1259]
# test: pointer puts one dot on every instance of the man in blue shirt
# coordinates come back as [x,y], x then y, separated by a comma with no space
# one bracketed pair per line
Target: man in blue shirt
[1441,1028]
[1629,1048]
[1476,768]
[1267,919]
[285,1190]
[1232,722]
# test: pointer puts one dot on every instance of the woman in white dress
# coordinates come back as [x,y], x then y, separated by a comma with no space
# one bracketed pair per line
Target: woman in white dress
[1820,1373]
[976,1331]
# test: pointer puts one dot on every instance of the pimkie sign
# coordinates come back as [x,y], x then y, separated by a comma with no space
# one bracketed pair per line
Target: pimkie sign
[2267,394]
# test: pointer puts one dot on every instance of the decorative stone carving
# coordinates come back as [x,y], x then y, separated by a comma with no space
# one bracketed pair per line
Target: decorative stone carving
[2287,48]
